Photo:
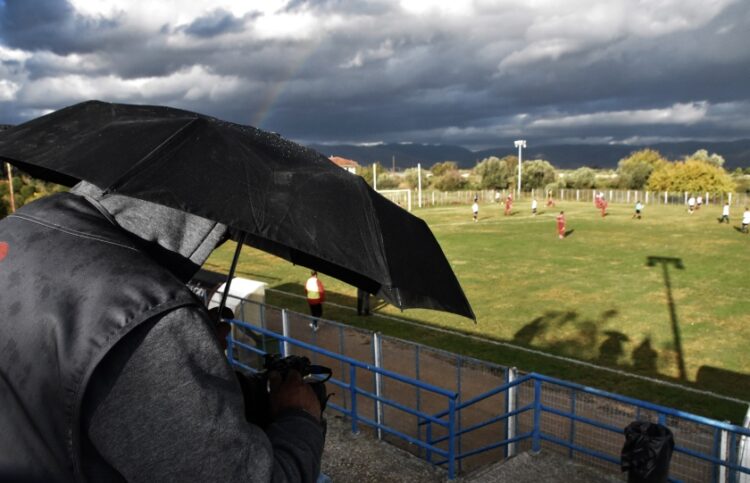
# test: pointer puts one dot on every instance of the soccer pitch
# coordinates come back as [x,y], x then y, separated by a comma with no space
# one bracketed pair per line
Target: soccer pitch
[591,297]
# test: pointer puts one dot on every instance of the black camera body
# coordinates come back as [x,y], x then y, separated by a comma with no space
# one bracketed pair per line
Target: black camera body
[255,387]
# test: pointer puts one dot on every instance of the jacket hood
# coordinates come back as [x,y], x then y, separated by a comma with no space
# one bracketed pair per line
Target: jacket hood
[178,240]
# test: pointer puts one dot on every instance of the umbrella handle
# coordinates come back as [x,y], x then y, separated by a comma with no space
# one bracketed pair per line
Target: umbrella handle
[230,276]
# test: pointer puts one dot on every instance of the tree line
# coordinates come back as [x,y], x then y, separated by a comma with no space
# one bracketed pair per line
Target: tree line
[646,169]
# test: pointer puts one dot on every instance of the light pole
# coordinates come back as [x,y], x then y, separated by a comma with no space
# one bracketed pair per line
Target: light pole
[520,144]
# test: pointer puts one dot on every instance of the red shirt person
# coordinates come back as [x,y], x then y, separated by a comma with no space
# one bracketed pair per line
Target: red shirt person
[508,205]
[561,225]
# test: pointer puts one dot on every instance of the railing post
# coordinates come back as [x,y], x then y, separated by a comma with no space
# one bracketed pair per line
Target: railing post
[723,456]
[378,382]
[511,421]
[353,396]
[451,438]
[536,440]
[733,474]
[285,332]
[572,422]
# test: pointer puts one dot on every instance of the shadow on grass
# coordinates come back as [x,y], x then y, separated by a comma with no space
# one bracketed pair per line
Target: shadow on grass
[665,263]
[583,341]
[568,233]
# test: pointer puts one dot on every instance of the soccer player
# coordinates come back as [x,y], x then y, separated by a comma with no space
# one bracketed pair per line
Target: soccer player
[533,207]
[561,225]
[475,210]
[603,206]
[638,209]
[508,204]
[745,219]
[550,200]
[691,204]
[724,214]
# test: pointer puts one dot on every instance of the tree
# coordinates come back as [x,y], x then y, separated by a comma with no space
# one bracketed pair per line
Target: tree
[692,176]
[581,178]
[439,169]
[537,174]
[493,173]
[449,181]
[411,178]
[635,170]
[702,155]
[366,172]
[387,181]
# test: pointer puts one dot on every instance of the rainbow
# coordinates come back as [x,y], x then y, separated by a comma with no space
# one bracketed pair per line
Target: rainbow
[275,90]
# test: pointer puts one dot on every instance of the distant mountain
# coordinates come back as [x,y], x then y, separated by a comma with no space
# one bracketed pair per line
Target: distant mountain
[566,156]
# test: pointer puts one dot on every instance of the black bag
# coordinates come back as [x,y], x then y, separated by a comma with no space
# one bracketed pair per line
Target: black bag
[647,452]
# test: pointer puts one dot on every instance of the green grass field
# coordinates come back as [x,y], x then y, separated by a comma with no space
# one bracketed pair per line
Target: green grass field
[590,297]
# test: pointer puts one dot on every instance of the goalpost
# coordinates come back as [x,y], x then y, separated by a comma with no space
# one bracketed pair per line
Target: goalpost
[400,197]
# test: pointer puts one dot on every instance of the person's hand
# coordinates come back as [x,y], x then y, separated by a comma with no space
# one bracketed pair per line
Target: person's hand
[292,393]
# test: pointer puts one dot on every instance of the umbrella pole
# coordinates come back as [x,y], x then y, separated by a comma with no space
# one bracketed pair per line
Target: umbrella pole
[240,241]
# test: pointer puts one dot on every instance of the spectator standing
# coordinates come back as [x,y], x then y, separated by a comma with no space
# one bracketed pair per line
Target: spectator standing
[363,302]
[316,295]
[118,375]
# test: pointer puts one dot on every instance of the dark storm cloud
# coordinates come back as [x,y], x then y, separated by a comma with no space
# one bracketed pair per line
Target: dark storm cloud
[332,70]
[215,23]
[55,26]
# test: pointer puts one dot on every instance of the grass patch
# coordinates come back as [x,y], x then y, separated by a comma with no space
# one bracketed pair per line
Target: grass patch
[591,297]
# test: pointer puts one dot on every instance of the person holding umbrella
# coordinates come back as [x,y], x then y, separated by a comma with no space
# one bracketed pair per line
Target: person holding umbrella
[110,367]
[316,295]
[141,377]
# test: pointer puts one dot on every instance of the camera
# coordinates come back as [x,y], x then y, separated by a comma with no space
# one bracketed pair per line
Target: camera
[255,387]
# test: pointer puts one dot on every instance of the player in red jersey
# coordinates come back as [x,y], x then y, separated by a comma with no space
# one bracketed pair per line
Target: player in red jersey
[561,225]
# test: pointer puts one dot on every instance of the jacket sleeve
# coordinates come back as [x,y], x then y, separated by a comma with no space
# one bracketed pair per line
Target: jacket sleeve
[165,406]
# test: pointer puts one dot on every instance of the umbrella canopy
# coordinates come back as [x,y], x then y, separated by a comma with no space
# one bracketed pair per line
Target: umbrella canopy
[288,200]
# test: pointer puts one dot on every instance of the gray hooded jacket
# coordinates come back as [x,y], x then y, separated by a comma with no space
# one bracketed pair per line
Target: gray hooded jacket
[163,404]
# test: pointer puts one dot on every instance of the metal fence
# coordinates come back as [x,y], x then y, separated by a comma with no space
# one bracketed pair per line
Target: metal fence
[462,413]
[444,198]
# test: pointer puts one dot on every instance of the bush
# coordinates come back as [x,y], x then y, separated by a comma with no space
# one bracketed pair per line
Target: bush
[493,172]
[450,181]
[581,178]
[635,170]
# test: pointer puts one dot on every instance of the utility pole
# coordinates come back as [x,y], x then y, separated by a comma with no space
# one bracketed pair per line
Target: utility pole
[520,144]
[419,183]
[393,162]
[375,176]
[10,189]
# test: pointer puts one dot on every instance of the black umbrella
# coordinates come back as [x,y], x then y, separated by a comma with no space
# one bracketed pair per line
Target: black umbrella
[285,199]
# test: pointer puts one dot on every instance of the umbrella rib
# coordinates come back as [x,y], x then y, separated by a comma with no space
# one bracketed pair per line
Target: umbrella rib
[128,175]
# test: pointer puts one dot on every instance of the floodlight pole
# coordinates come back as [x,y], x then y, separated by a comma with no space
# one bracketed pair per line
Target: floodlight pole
[520,144]
[375,176]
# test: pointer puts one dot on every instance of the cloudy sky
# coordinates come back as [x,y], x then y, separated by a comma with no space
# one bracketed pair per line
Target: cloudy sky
[474,73]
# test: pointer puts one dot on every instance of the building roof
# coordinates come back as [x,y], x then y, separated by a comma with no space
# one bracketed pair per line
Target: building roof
[343,162]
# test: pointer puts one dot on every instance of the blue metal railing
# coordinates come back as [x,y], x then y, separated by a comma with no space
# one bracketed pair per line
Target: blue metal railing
[449,418]
[355,391]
